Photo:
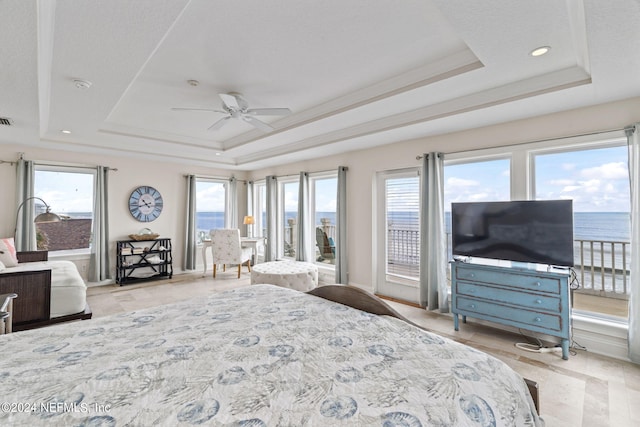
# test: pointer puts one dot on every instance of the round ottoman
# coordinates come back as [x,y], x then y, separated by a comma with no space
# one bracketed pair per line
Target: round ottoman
[301,276]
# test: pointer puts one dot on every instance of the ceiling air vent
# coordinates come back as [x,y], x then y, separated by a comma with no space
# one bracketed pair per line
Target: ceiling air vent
[6,121]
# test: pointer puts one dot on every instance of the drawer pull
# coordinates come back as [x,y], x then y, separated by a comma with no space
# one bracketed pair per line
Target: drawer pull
[472,306]
[538,284]
[537,319]
[538,301]
[472,275]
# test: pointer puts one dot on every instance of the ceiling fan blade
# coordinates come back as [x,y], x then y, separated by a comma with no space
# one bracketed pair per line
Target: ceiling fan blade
[230,101]
[257,123]
[198,109]
[217,125]
[269,111]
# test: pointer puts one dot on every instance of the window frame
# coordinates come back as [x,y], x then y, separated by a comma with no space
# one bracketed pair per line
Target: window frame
[522,169]
[281,214]
[71,169]
[313,178]
[225,184]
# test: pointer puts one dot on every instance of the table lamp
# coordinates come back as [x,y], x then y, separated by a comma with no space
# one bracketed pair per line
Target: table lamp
[249,221]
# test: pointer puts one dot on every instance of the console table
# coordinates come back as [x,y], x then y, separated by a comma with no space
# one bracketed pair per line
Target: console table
[138,260]
[534,300]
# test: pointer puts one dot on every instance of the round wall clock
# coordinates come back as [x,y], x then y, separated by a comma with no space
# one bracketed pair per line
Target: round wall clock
[145,203]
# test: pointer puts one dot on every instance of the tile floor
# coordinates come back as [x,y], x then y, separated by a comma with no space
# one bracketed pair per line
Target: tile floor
[587,390]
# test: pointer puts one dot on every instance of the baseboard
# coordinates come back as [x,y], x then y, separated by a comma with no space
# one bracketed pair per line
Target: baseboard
[605,337]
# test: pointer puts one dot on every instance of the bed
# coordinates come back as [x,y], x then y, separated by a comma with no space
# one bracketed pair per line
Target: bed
[48,291]
[256,356]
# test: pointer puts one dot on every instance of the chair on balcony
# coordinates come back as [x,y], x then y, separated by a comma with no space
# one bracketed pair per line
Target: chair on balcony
[325,245]
[226,249]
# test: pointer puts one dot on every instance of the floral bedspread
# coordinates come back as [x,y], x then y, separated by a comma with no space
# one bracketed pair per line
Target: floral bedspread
[256,356]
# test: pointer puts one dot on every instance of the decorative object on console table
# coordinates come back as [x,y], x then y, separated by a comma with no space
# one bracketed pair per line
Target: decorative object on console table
[529,299]
[145,203]
[138,260]
[144,234]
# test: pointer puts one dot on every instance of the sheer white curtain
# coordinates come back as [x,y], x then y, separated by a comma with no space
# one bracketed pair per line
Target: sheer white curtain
[341,228]
[250,196]
[189,262]
[303,229]
[271,249]
[99,265]
[633,138]
[231,211]
[433,277]
[25,232]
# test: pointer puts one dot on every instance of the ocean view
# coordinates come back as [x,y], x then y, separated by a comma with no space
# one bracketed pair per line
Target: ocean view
[606,226]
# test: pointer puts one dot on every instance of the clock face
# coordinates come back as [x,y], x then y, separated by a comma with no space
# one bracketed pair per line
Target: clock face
[145,203]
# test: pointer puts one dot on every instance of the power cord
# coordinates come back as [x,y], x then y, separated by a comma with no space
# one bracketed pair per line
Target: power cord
[535,347]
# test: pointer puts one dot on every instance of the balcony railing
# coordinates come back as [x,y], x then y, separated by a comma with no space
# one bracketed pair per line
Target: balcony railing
[601,267]
[291,237]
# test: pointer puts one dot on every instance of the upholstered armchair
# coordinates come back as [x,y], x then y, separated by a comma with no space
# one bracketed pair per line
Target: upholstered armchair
[227,249]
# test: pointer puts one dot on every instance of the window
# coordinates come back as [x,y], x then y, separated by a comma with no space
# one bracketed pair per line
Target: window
[477,181]
[597,181]
[402,196]
[69,193]
[323,197]
[398,234]
[210,206]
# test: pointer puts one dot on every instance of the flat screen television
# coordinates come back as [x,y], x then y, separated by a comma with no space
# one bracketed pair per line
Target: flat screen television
[532,231]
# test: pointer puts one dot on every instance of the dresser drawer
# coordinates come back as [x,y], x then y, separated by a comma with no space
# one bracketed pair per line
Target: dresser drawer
[520,279]
[518,317]
[519,298]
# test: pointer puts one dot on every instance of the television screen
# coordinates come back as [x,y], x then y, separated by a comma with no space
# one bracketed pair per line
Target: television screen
[532,231]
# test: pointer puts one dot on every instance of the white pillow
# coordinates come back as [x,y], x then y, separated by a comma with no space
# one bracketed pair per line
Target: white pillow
[2,266]
[8,252]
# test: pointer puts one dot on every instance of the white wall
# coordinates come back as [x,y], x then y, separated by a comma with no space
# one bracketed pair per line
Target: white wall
[168,178]
[364,164]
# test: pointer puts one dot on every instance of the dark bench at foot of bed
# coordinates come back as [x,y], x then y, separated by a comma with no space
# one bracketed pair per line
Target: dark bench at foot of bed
[32,307]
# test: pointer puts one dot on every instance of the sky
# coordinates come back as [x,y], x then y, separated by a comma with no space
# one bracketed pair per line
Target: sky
[596,180]
[65,192]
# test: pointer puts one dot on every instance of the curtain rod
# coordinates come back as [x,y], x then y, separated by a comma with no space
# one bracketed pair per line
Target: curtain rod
[66,165]
[298,174]
[58,165]
[532,142]
[221,178]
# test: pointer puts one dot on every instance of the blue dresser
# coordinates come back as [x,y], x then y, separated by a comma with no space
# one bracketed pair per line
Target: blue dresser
[534,300]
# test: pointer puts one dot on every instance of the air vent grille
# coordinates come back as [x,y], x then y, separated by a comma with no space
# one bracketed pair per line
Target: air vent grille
[6,121]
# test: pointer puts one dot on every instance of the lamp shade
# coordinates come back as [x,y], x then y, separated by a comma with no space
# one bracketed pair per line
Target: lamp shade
[249,220]
[47,217]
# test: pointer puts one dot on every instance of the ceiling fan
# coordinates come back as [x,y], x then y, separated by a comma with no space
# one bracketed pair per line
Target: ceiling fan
[234,106]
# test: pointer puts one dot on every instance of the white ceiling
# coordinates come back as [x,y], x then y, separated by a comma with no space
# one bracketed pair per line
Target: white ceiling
[355,73]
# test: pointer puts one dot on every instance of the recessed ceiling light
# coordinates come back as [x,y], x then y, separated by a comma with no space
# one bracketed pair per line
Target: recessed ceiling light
[540,51]
[65,131]
[218,154]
